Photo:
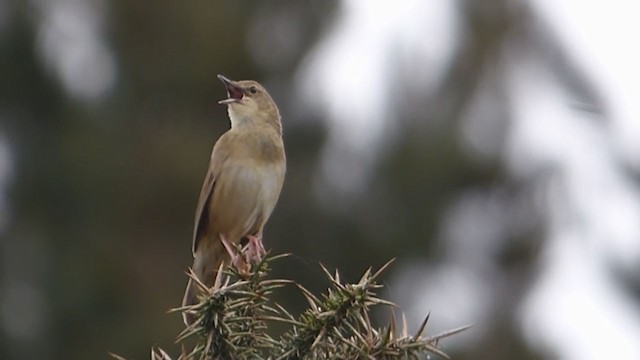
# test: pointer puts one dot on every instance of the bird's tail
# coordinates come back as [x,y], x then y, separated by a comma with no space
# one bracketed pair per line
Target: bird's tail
[206,262]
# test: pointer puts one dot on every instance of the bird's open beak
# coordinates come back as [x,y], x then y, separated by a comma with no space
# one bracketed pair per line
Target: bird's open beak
[234,92]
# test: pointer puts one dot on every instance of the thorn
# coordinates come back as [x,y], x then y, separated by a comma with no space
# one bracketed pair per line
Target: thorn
[324,269]
[404,326]
[392,322]
[366,277]
[218,280]
[422,327]
[116,356]
[388,335]
[382,269]
[370,330]
[319,337]
[331,278]
[437,351]
[449,333]
[313,301]
[195,278]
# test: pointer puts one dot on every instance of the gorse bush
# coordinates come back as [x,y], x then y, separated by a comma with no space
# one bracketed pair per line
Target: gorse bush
[233,317]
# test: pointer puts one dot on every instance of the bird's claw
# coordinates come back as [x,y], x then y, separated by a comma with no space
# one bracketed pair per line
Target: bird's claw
[236,260]
[255,249]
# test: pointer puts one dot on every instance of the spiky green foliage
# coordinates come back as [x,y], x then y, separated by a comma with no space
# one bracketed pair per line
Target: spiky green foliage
[233,318]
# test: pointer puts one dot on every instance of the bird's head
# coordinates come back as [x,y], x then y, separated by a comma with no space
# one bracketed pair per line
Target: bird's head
[249,103]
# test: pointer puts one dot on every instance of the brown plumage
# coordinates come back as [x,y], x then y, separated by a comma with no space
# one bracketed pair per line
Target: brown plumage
[243,182]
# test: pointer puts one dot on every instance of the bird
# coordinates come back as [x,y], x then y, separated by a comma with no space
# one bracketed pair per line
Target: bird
[241,188]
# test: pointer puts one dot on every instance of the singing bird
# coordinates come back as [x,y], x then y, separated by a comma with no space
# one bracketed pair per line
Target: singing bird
[242,185]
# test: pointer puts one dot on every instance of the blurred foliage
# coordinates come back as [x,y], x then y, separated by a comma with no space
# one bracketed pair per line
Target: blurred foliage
[104,193]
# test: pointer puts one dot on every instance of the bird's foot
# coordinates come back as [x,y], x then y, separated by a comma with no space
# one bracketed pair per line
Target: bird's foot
[236,260]
[255,249]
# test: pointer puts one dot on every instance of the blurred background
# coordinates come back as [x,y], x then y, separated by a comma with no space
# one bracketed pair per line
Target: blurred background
[492,147]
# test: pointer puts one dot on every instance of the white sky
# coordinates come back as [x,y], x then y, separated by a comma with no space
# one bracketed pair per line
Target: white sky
[602,38]
[576,309]
[350,73]
[71,41]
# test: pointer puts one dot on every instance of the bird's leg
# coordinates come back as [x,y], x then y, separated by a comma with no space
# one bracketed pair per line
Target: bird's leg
[255,249]
[236,259]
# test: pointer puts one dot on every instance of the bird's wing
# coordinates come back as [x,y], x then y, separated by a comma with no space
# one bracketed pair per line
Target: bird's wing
[217,158]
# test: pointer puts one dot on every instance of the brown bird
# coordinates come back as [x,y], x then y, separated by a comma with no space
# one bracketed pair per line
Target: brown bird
[242,185]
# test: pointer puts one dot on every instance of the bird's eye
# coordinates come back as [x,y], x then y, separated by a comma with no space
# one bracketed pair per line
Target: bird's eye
[253,89]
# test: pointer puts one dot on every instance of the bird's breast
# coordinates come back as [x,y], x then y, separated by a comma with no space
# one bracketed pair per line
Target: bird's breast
[245,194]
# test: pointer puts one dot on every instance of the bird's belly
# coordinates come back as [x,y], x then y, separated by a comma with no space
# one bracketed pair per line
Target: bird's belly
[243,199]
